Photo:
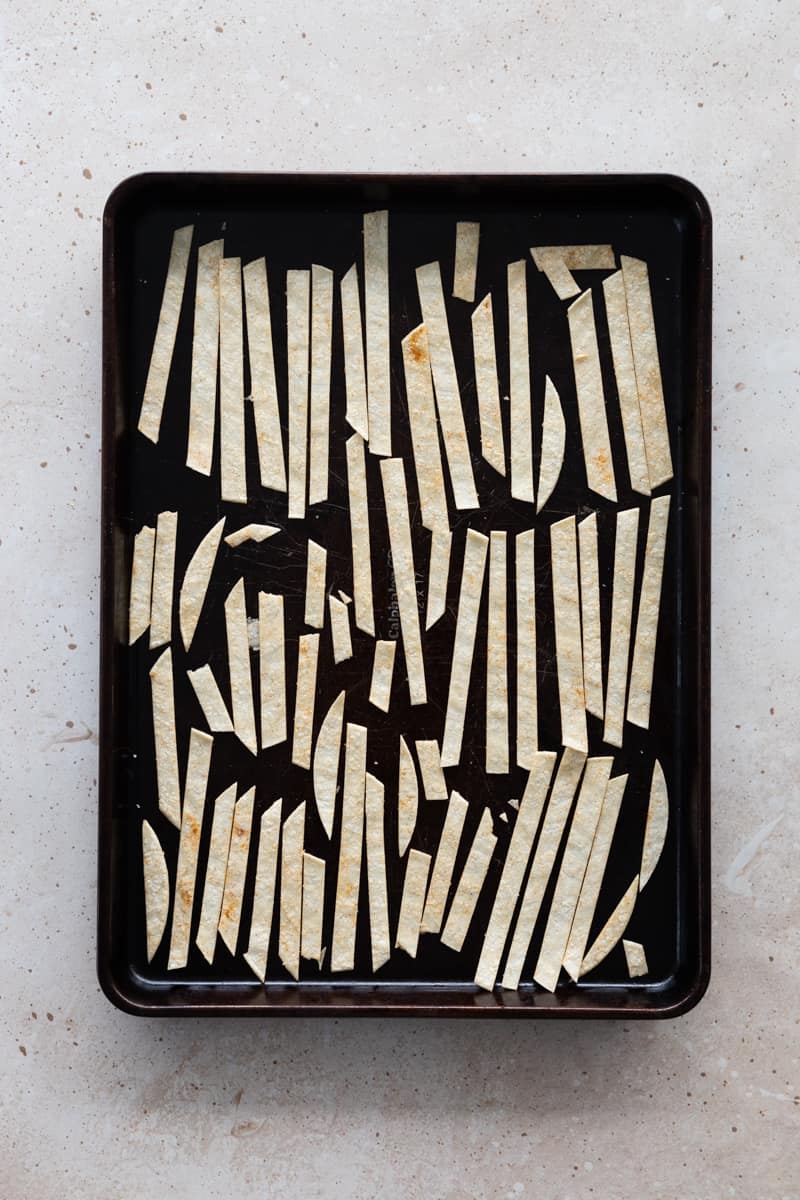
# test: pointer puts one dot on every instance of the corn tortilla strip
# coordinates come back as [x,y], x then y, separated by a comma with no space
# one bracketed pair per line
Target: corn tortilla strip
[613,929]
[233,472]
[343,596]
[591,398]
[443,865]
[430,768]
[469,886]
[555,819]
[194,798]
[588,257]
[396,504]
[465,267]
[376,873]
[438,575]
[205,359]
[644,646]
[625,375]
[155,388]
[359,533]
[424,430]
[320,389]
[236,873]
[141,583]
[497,659]
[156,889]
[448,397]
[163,579]
[554,433]
[326,762]
[316,568]
[407,797]
[210,699]
[340,630]
[216,866]
[376,322]
[590,615]
[353,341]
[313,908]
[655,831]
[305,691]
[251,533]
[163,696]
[380,690]
[487,387]
[648,371]
[263,386]
[520,384]
[292,890]
[573,868]
[569,653]
[264,890]
[196,580]
[527,698]
[469,602]
[244,721]
[621,608]
[415,883]
[635,958]
[549,260]
[271,669]
[350,849]
[298,286]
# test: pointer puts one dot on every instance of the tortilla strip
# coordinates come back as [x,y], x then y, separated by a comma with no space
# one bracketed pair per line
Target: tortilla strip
[216,866]
[554,433]
[236,873]
[244,721]
[527,701]
[210,699]
[591,398]
[382,669]
[396,504]
[291,890]
[141,583]
[635,958]
[569,654]
[430,768]
[376,322]
[194,798]
[625,375]
[448,397]
[648,371]
[263,387]
[251,533]
[156,889]
[655,831]
[486,385]
[305,690]
[443,864]
[470,884]
[520,384]
[163,579]
[233,470]
[590,616]
[497,659]
[424,430]
[320,393]
[376,873]
[316,567]
[415,883]
[271,669]
[352,837]
[558,261]
[313,908]
[155,388]
[163,696]
[613,929]
[573,869]
[555,819]
[355,379]
[340,630]
[205,355]
[621,608]
[326,762]
[196,580]
[644,646]
[343,596]
[438,575]
[264,890]
[466,259]
[469,602]
[359,533]
[407,797]
[298,284]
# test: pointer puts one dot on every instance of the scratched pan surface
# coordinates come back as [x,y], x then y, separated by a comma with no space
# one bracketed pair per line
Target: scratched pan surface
[296,221]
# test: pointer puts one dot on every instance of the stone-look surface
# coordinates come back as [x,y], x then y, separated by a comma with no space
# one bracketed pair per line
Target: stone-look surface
[95,1104]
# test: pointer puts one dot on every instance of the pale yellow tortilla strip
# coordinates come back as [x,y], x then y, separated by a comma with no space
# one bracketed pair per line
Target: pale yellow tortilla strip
[264,890]
[648,370]
[194,798]
[196,580]
[305,691]
[376,323]
[316,568]
[448,396]
[557,263]
[353,342]
[635,958]
[569,651]
[210,699]
[320,388]
[340,630]
[612,931]
[216,866]
[554,433]
[591,398]
[469,602]
[233,470]
[407,797]
[343,596]
[438,575]
[236,873]
[326,762]
[444,864]
[380,690]
[163,579]
[263,385]
[408,923]
[430,768]
[588,258]
[291,913]
[514,868]
[644,646]
[466,259]
[424,430]
[621,608]
[497,659]
[527,691]
[141,583]
[396,503]
[163,697]
[298,289]
[244,721]
[271,669]
[205,359]
[655,832]
[376,873]
[155,388]
[625,375]
[519,363]
[590,615]
[251,533]
[156,889]
[313,908]
[468,889]
[359,533]
[487,386]
[350,849]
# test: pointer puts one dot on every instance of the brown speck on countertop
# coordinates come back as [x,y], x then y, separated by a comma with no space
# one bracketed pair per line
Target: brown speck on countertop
[87,174]
[182,116]
[49,1016]
[23,1051]
[43,464]
[72,645]
[219,28]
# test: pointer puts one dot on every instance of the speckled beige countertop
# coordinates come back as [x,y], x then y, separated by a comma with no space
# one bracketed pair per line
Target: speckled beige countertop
[101,1106]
